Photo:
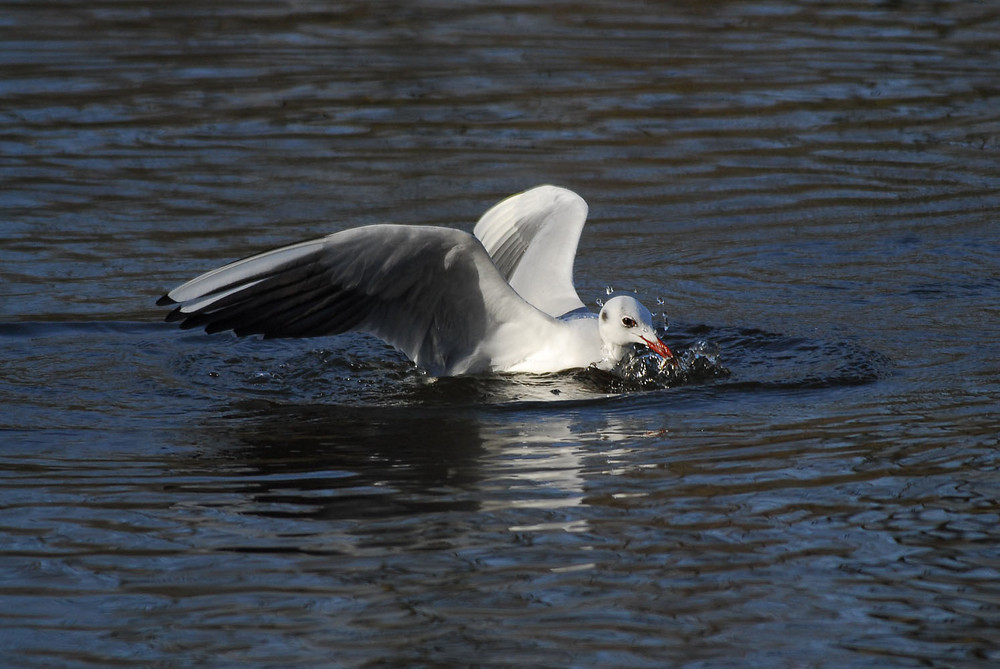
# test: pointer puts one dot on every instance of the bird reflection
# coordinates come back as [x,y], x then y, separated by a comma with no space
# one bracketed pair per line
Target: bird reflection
[334,461]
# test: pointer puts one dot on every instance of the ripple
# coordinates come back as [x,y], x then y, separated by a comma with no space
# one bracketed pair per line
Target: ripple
[360,370]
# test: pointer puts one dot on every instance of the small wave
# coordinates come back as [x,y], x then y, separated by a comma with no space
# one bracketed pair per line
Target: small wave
[358,370]
[744,358]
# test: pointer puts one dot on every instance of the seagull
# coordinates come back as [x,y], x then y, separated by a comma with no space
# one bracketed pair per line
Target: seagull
[499,300]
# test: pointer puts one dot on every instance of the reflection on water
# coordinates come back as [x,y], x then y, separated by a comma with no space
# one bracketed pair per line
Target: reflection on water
[809,186]
[326,461]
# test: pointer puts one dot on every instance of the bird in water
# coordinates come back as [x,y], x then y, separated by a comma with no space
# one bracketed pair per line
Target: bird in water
[499,300]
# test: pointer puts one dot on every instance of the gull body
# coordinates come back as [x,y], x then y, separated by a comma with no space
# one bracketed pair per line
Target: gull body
[500,300]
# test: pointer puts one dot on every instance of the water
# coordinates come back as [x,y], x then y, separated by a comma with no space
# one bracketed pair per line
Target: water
[811,187]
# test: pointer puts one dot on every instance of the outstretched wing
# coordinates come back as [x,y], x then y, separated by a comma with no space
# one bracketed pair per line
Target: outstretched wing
[532,238]
[431,292]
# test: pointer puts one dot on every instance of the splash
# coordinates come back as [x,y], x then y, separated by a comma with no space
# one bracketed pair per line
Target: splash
[642,369]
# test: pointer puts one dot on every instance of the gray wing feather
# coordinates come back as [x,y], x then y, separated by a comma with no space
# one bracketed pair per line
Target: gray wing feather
[532,238]
[431,292]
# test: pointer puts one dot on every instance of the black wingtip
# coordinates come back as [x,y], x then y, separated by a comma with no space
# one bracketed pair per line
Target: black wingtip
[165,301]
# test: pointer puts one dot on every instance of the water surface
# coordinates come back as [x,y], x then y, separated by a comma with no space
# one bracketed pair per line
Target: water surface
[811,186]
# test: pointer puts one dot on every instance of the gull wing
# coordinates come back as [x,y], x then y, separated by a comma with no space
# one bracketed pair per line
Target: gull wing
[433,293]
[532,238]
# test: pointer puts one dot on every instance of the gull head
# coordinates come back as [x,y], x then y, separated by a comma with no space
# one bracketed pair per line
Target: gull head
[624,321]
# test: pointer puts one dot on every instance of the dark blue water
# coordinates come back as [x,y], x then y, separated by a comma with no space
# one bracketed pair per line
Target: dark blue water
[813,188]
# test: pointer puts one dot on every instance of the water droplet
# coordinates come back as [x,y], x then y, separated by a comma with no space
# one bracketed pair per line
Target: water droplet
[609,290]
[642,368]
[600,302]
[659,301]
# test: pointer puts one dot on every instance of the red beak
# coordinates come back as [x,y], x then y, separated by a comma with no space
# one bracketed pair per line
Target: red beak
[659,347]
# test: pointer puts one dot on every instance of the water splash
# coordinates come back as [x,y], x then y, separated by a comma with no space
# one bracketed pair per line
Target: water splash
[642,369]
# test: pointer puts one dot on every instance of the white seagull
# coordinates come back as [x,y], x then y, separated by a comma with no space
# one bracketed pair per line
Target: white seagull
[500,301]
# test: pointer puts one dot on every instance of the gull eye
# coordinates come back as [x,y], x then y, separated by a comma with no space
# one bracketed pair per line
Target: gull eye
[628,322]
